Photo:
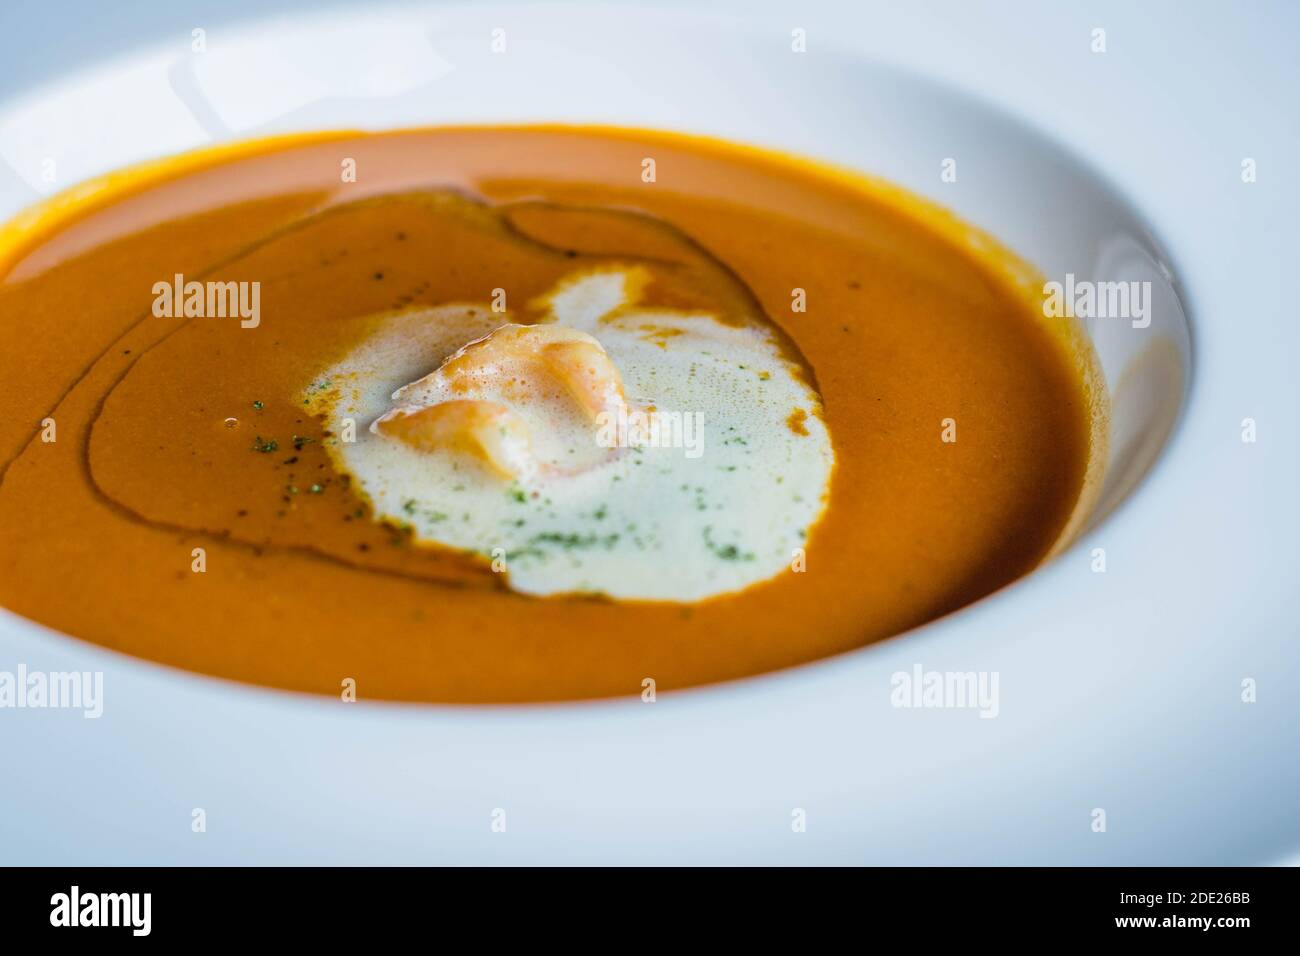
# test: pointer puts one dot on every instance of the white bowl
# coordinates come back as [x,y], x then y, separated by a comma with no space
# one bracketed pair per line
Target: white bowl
[1119,691]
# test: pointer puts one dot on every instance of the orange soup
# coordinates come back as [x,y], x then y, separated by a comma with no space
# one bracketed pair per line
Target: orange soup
[520,414]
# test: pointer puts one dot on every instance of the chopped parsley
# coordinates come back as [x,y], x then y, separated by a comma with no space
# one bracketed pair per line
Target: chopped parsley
[727,552]
[571,540]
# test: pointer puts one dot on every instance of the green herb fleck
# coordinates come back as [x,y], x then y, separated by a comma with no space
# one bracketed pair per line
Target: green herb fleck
[727,552]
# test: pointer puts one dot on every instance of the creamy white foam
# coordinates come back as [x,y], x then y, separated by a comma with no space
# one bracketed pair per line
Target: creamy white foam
[717,494]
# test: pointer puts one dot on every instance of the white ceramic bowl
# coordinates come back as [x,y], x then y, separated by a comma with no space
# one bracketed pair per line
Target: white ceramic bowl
[1119,691]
